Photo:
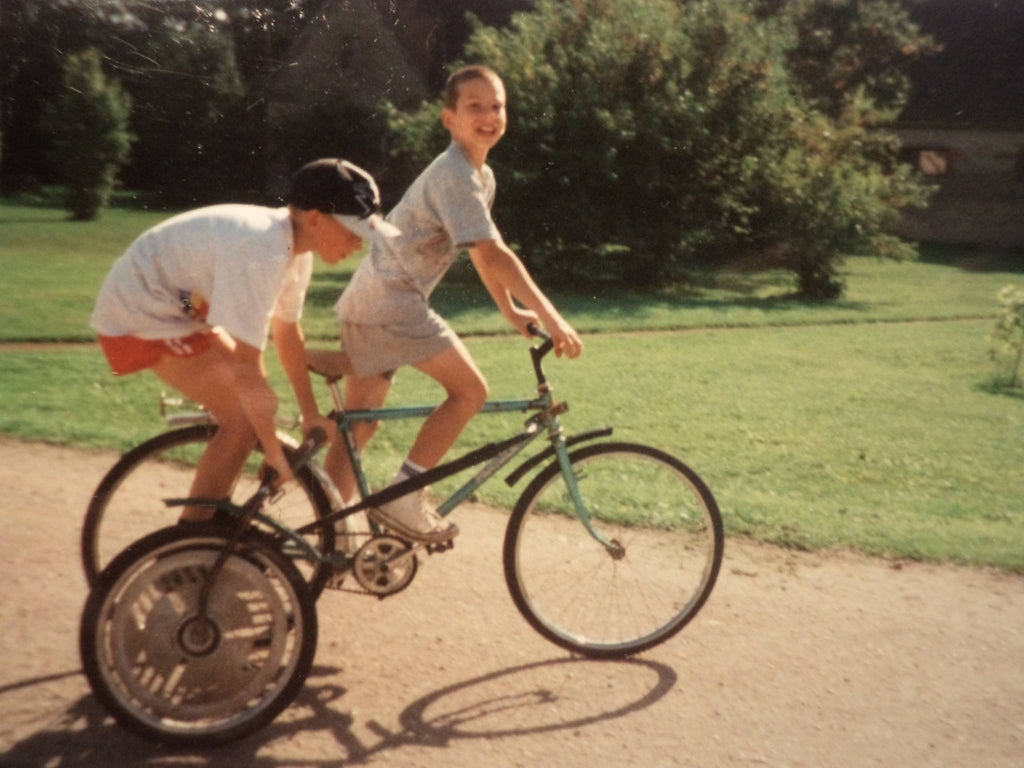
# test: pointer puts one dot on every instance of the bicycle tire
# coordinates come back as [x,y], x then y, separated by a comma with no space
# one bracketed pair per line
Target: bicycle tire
[128,502]
[171,676]
[570,588]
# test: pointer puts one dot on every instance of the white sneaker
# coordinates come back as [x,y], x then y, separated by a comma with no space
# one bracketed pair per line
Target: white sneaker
[351,532]
[412,517]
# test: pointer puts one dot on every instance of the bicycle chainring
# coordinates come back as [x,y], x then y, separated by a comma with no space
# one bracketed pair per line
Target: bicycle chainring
[384,565]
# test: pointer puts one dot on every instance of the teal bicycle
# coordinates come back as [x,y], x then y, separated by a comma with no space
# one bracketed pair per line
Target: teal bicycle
[202,635]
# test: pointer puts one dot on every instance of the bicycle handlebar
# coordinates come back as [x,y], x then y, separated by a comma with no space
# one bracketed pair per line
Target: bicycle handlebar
[537,353]
[313,442]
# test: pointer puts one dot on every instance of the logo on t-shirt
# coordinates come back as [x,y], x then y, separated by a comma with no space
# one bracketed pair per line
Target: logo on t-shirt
[193,304]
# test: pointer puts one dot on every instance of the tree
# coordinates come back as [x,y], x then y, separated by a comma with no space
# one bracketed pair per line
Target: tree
[825,196]
[13,19]
[91,140]
[194,138]
[849,49]
[33,35]
[649,140]
[163,71]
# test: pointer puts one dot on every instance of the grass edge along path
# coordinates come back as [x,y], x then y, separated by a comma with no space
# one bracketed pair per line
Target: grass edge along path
[876,436]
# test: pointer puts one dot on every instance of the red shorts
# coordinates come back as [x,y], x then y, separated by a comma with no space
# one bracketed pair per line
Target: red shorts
[128,354]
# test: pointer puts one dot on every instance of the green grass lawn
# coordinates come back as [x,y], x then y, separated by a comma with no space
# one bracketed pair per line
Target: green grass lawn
[52,269]
[816,425]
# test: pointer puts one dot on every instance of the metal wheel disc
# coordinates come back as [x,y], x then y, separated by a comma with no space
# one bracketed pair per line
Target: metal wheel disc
[190,668]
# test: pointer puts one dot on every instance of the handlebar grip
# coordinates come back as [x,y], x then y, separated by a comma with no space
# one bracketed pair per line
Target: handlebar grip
[313,442]
[537,353]
[536,330]
[268,476]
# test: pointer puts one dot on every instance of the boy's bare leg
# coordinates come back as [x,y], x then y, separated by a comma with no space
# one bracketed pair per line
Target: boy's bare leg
[207,379]
[466,388]
[360,394]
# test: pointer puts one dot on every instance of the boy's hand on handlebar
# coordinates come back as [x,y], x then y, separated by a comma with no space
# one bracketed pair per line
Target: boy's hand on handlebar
[279,464]
[564,338]
[314,420]
[567,342]
[521,319]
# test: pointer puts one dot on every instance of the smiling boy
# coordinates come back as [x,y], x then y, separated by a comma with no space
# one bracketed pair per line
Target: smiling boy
[386,320]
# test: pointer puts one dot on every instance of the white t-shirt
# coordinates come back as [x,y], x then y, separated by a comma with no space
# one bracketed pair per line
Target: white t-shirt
[225,265]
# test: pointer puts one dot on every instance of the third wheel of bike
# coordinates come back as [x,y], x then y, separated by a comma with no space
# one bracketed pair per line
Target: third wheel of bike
[663,552]
[129,501]
[171,669]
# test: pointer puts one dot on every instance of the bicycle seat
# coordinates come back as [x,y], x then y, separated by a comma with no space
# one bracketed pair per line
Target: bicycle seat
[332,364]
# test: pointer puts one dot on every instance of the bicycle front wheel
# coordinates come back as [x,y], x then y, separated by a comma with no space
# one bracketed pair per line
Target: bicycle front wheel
[171,671]
[663,552]
[129,501]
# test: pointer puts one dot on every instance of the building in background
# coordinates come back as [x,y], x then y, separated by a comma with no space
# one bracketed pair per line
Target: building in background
[963,125]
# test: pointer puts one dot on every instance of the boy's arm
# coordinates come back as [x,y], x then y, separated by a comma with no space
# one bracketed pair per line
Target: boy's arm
[259,402]
[290,343]
[505,278]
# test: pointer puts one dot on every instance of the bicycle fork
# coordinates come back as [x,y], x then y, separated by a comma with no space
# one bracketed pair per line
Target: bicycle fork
[612,546]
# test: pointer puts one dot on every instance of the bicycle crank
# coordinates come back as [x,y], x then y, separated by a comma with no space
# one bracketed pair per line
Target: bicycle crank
[384,565]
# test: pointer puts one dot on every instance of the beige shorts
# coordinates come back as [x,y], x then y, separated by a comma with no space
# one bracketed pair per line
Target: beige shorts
[381,349]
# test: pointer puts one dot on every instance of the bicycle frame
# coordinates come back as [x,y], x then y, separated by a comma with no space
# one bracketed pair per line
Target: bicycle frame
[347,419]
[493,456]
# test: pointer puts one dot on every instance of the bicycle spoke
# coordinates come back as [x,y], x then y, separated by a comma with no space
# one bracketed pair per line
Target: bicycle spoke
[129,502]
[580,595]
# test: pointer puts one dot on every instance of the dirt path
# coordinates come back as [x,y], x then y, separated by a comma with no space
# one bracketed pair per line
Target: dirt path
[797,660]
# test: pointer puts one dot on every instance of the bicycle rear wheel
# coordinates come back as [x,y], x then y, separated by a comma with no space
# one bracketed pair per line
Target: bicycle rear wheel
[170,674]
[610,602]
[129,501]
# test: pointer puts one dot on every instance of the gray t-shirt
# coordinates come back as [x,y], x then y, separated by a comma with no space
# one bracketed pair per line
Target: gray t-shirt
[447,209]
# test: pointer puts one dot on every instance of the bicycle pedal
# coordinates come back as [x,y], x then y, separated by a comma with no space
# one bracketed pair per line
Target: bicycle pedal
[443,546]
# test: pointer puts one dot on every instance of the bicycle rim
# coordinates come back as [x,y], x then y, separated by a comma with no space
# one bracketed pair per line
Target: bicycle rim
[129,501]
[168,674]
[609,602]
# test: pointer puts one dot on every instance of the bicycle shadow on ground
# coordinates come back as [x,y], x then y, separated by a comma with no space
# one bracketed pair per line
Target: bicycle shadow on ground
[564,694]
